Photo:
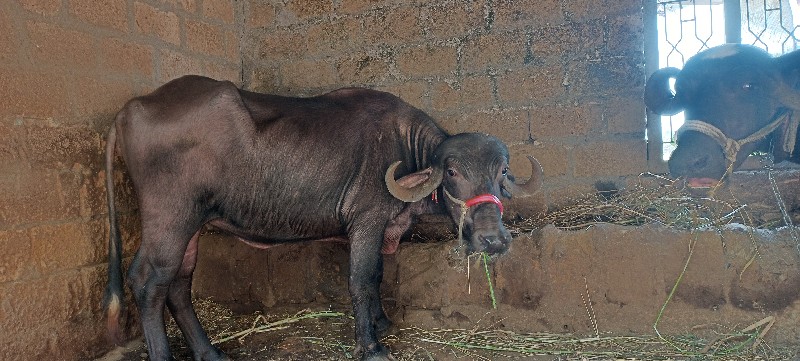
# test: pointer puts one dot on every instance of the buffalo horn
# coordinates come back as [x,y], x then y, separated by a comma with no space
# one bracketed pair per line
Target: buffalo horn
[658,96]
[532,185]
[412,191]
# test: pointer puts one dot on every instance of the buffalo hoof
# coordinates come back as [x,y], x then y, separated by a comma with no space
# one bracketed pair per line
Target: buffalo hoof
[374,352]
[212,354]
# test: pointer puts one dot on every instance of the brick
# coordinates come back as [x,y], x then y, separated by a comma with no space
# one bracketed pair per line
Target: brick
[510,126]
[32,94]
[427,61]
[43,7]
[544,85]
[106,13]
[279,45]
[477,91]
[395,26]
[60,47]
[494,50]
[175,64]
[154,22]
[11,143]
[8,38]
[186,5]
[50,301]
[219,10]
[626,115]
[471,93]
[580,41]
[337,36]
[552,155]
[308,74]
[107,98]
[581,10]
[607,76]
[558,121]
[310,8]
[15,250]
[514,13]
[61,147]
[48,251]
[211,39]
[412,92]
[358,6]
[33,196]
[224,71]
[260,14]
[126,57]
[611,158]
[453,19]
[626,35]
[262,79]
[363,69]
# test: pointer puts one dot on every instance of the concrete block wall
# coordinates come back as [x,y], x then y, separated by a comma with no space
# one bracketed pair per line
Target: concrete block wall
[562,80]
[66,67]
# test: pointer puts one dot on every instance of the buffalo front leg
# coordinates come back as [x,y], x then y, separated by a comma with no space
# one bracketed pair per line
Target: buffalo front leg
[366,265]
[179,302]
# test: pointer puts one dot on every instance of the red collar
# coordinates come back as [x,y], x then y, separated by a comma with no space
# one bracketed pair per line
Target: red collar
[485,198]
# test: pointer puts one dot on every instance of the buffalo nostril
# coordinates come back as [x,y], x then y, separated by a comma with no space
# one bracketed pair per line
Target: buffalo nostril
[700,163]
[492,244]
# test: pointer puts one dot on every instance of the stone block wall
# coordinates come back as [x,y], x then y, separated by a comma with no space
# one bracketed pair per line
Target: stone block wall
[66,67]
[562,80]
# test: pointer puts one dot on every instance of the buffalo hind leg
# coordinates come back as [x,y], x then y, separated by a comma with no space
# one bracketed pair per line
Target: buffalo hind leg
[364,283]
[179,302]
[152,272]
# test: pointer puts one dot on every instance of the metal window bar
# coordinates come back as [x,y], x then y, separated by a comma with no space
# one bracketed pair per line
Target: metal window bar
[686,27]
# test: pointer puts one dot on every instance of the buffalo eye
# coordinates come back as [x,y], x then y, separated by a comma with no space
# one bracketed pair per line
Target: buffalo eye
[451,172]
[505,171]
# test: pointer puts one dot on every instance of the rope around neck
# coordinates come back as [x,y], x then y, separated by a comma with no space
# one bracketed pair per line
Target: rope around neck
[474,201]
[464,210]
[732,146]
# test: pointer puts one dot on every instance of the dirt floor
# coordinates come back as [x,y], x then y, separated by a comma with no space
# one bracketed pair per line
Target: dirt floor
[718,290]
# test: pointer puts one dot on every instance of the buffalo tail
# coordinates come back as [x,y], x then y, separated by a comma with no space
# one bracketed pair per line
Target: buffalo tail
[112,301]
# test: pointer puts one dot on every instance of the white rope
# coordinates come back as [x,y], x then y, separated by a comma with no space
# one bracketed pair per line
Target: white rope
[464,210]
[732,146]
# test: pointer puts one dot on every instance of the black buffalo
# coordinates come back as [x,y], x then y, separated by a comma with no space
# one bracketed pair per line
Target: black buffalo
[737,99]
[271,169]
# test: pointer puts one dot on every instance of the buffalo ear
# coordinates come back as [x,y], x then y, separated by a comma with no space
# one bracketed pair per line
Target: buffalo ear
[414,186]
[415,179]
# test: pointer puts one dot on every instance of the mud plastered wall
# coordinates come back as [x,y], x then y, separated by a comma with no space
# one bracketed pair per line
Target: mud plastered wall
[562,80]
[66,67]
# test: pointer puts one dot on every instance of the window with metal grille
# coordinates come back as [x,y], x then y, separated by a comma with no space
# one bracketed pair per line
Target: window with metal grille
[681,28]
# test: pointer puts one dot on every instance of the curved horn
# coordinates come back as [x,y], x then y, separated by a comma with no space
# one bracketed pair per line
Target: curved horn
[658,95]
[412,187]
[532,185]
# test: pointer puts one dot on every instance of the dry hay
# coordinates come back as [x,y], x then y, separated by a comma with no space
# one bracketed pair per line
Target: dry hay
[651,199]
[322,332]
